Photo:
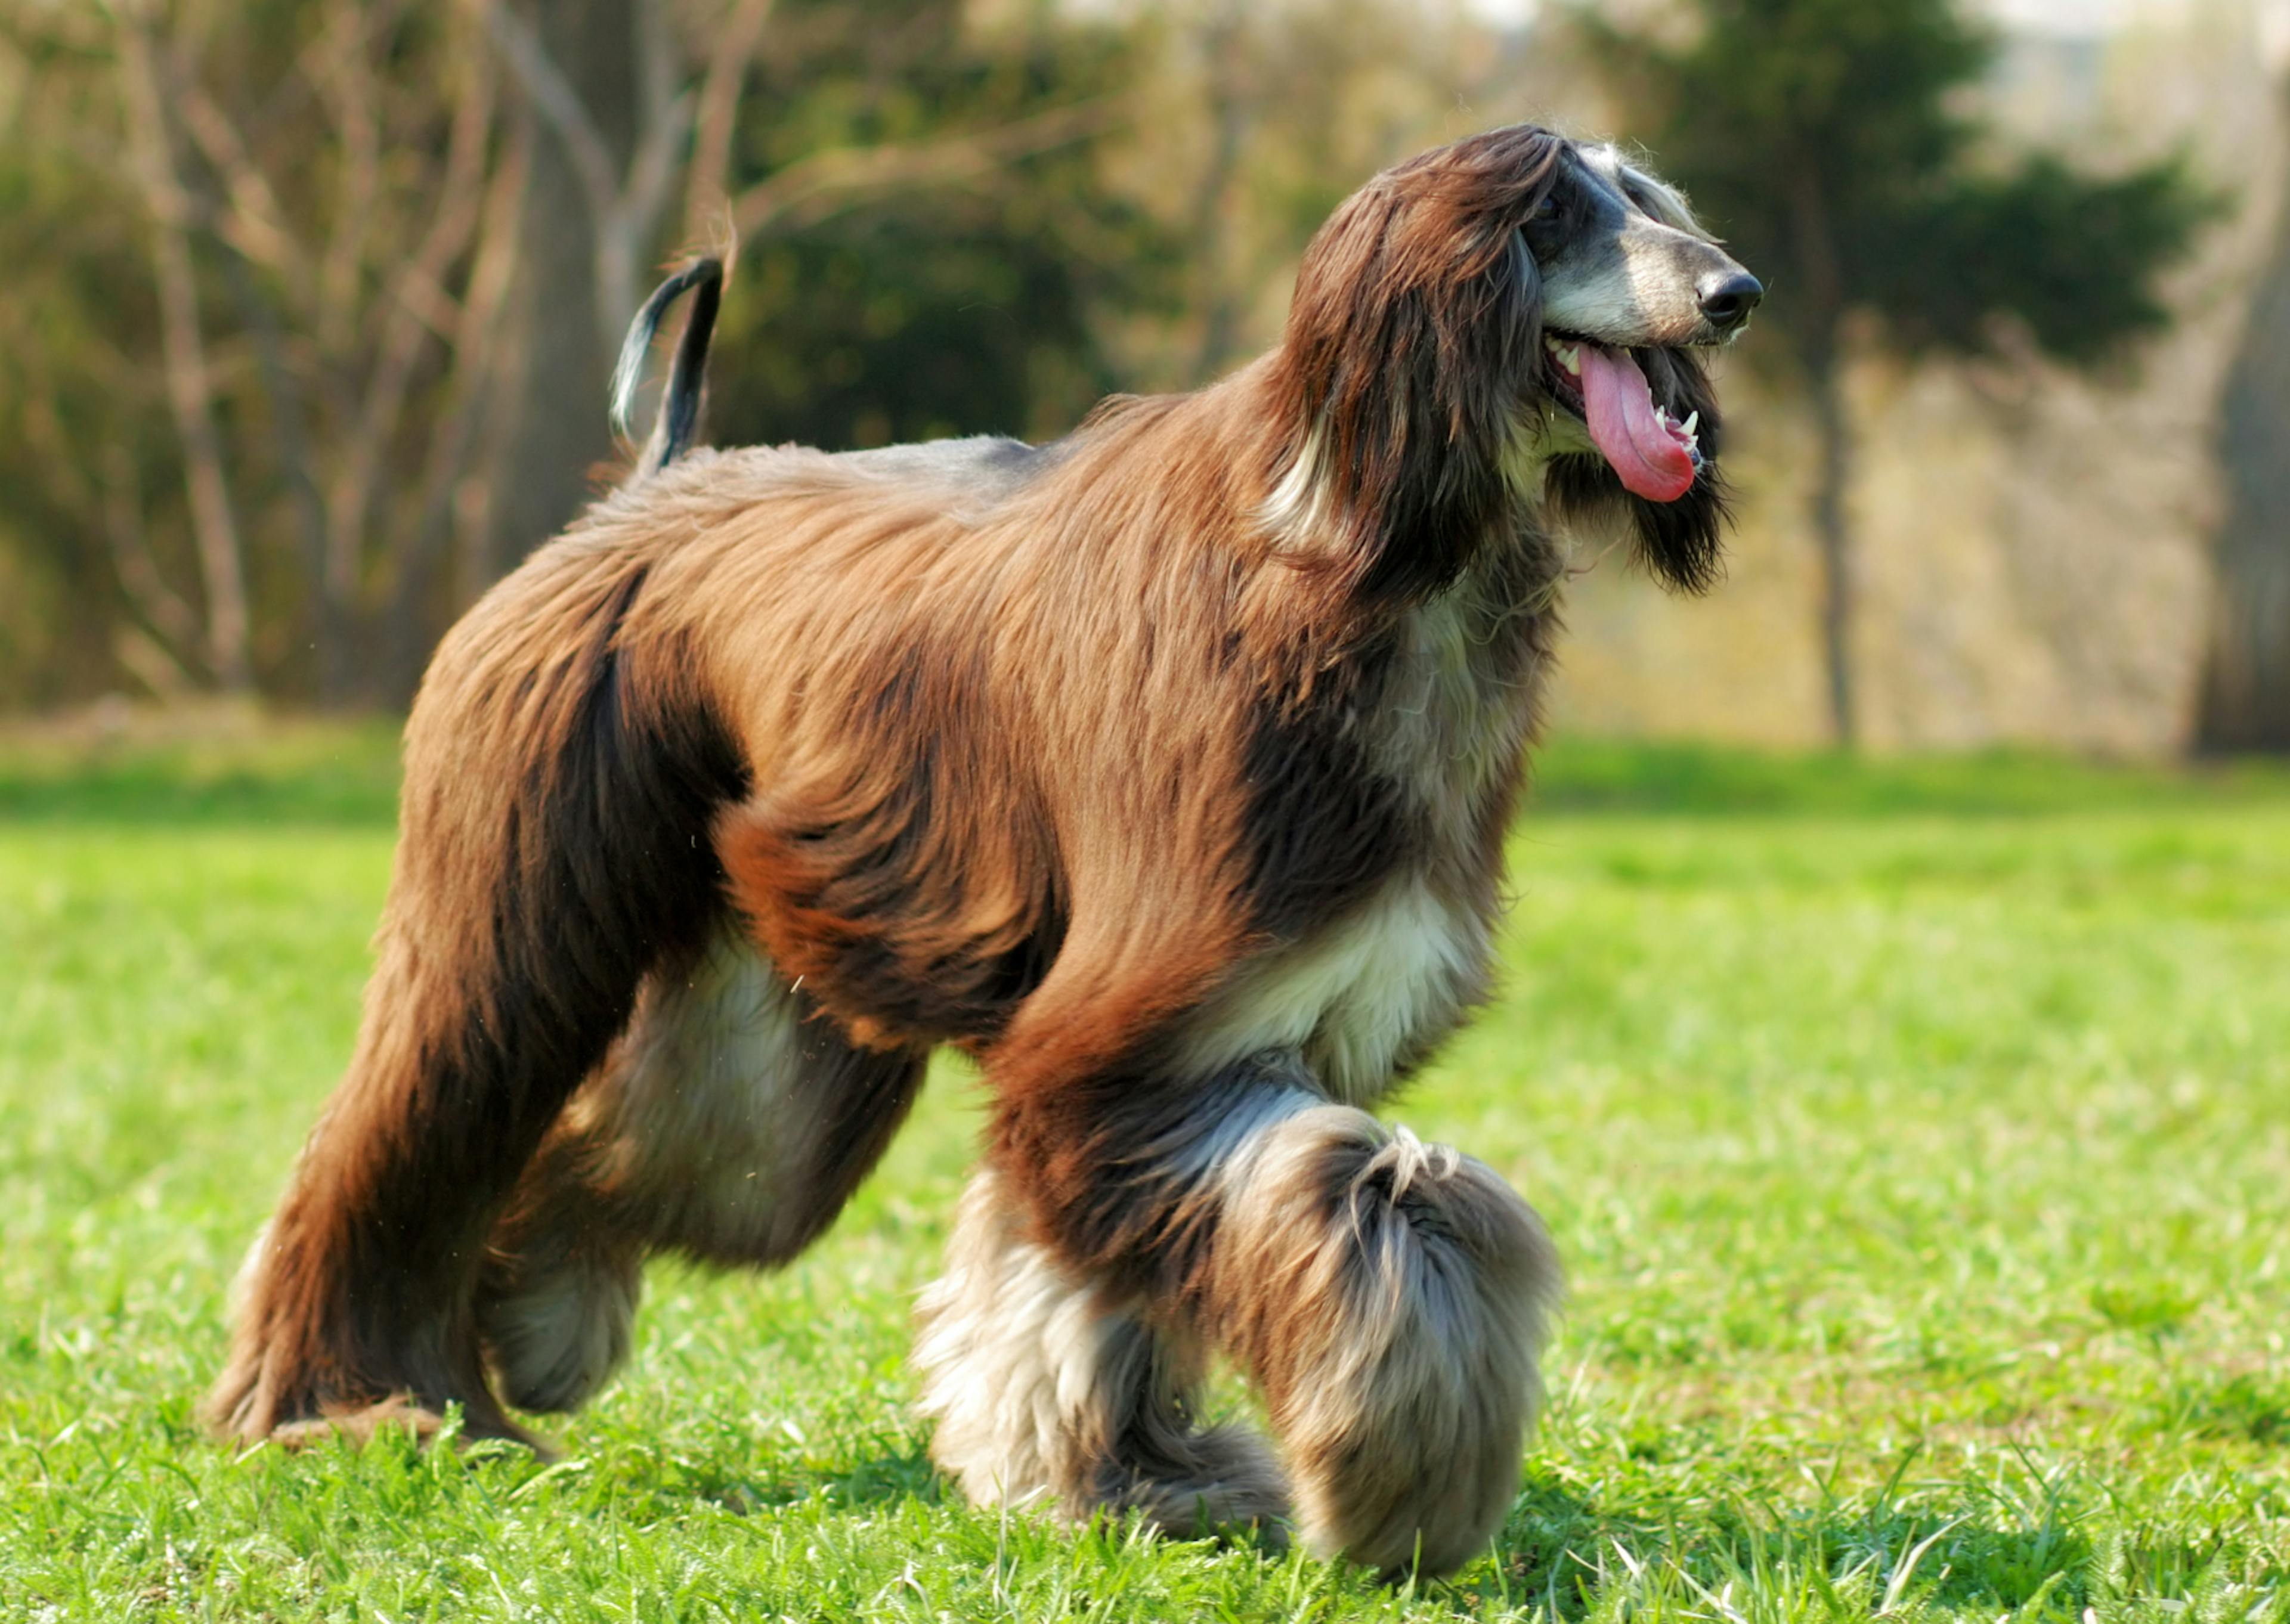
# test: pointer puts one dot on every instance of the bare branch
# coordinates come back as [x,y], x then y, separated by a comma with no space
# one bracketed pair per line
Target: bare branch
[411,565]
[658,68]
[298,468]
[558,103]
[150,662]
[625,234]
[476,356]
[622,211]
[428,299]
[254,224]
[730,52]
[823,184]
[1231,108]
[131,557]
[347,85]
[653,169]
[460,190]
[189,390]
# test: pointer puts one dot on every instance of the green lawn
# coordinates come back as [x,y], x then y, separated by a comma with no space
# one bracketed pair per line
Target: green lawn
[1918,1138]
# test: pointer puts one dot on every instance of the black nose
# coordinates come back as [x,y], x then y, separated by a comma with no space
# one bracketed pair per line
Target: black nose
[1727,298]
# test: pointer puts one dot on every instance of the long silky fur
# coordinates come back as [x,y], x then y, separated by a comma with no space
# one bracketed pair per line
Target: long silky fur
[1166,769]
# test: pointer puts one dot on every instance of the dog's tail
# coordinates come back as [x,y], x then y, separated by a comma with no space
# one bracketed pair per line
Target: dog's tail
[679,403]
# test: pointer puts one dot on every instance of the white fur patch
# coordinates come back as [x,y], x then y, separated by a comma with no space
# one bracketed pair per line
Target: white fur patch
[1301,505]
[1356,998]
[699,1091]
[1012,1353]
[556,1344]
[1377,988]
[1047,1387]
[1454,717]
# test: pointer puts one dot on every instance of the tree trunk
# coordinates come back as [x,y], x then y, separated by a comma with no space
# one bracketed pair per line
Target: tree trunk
[331,634]
[553,379]
[1223,51]
[2245,692]
[190,394]
[1832,526]
[1820,304]
[425,595]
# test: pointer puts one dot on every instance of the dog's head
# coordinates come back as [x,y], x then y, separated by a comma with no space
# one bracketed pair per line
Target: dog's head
[1517,312]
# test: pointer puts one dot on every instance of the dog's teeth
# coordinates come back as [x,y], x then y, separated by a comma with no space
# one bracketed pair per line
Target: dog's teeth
[1692,421]
[1662,416]
[1571,358]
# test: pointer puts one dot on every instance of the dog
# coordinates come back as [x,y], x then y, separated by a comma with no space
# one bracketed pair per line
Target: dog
[1165,768]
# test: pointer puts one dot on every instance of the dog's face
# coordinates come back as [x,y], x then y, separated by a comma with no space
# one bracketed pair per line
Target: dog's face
[1515,318]
[1626,279]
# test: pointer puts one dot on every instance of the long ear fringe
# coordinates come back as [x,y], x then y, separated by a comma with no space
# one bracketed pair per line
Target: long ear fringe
[1415,315]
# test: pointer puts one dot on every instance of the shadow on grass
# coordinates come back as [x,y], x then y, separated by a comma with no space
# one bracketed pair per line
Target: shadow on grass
[2038,1548]
[904,1473]
[1567,1555]
[739,1473]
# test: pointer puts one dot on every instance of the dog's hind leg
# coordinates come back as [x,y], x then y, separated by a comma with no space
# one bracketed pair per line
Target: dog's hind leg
[726,1124]
[559,789]
[1048,1384]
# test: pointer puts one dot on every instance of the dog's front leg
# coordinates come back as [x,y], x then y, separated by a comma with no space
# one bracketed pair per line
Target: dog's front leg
[1388,1297]
[1050,1385]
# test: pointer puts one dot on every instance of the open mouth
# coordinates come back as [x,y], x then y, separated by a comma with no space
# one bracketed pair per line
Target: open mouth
[1653,455]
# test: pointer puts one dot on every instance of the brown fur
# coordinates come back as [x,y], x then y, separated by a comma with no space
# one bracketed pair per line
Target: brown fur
[1166,769]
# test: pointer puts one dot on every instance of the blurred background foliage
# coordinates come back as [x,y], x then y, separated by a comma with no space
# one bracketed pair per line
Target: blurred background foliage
[306,308]
[1829,137]
[947,310]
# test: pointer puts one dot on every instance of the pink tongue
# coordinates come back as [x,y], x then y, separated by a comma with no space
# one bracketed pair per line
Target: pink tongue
[1649,459]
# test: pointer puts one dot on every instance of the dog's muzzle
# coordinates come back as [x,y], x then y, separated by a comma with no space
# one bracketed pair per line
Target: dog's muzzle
[1727,299]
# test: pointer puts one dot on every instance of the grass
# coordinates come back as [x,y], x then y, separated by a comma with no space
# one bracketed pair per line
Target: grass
[1917,1137]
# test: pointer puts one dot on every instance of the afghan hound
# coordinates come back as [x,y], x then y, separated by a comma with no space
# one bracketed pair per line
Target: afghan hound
[1165,768]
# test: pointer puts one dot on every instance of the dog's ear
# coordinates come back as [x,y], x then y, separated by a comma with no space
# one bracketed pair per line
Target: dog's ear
[1682,543]
[1417,311]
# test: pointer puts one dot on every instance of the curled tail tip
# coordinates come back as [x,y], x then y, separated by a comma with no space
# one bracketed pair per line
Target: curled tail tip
[679,404]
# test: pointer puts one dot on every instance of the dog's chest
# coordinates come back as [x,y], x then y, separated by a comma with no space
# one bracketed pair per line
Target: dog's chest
[1368,995]
[1460,699]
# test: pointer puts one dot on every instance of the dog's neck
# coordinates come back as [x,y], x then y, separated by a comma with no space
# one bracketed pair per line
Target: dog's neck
[1543,434]
[1438,497]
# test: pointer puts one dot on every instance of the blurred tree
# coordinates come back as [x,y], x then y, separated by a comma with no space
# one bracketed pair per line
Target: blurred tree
[603,112]
[84,436]
[214,524]
[1830,142]
[2245,692]
[928,245]
[1264,117]
[264,306]
[915,175]
[297,297]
